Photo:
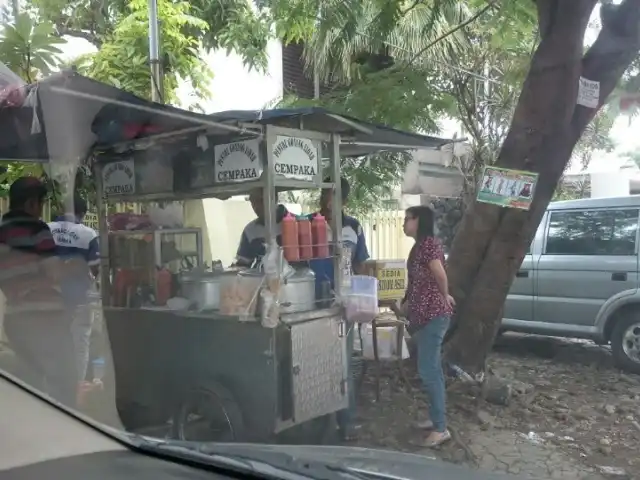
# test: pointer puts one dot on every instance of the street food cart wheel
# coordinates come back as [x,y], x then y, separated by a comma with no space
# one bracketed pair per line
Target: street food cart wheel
[209,412]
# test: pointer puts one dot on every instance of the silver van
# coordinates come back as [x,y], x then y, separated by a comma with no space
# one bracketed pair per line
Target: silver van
[580,277]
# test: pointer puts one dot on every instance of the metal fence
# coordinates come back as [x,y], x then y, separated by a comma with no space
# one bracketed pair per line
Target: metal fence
[385,236]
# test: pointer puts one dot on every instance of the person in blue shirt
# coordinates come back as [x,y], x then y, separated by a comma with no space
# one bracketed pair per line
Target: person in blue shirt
[252,241]
[354,242]
[77,246]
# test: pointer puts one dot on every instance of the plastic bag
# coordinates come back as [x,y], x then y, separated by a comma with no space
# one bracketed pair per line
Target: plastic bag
[270,309]
[239,296]
[276,269]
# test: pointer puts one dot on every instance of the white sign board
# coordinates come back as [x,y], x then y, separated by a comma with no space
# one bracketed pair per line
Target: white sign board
[119,178]
[588,93]
[295,157]
[237,162]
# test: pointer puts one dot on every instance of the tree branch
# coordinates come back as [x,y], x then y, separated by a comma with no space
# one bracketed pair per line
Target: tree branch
[617,45]
[460,26]
[414,5]
[546,15]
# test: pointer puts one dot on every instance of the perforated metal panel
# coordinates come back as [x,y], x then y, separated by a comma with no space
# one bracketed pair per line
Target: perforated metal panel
[318,354]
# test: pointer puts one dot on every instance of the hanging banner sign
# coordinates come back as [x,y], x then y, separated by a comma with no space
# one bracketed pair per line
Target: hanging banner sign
[507,188]
[588,93]
[237,161]
[119,178]
[295,157]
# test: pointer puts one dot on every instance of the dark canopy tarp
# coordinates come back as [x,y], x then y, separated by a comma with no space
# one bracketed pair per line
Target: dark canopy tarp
[72,114]
[359,137]
[75,113]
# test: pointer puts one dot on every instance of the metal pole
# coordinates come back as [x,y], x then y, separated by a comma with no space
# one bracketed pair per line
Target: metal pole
[16,9]
[103,232]
[157,88]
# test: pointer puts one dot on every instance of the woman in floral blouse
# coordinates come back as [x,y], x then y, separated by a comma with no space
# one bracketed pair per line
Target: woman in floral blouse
[428,307]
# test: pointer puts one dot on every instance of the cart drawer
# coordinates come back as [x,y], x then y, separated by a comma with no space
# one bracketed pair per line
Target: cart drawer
[319,369]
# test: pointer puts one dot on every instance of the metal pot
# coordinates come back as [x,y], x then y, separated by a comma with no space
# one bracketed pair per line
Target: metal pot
[203,288]
[298,293]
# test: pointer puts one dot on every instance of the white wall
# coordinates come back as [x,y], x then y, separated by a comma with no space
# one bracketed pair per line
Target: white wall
[430,172]
[609,184]
[222,222]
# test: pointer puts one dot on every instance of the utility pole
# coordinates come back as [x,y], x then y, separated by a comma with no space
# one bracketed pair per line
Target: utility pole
[157,77]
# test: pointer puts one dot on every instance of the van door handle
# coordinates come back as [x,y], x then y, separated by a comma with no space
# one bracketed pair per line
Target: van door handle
[619,276]
[522,274]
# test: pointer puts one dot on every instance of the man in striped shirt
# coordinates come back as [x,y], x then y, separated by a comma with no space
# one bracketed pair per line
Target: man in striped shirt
[36,322]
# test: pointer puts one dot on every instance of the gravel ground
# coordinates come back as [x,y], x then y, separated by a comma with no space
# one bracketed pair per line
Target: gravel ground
[569,413]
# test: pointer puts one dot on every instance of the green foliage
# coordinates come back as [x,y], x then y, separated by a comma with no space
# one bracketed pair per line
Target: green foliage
[440,51]
[232,25]
[13,170]
[473,57]
[29,48]
[123,57]
[394,97]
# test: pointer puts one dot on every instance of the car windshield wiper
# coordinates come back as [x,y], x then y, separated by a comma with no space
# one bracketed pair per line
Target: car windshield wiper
[266,464]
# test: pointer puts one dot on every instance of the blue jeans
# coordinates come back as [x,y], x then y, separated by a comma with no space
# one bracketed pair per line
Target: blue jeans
[429,343]
[345,417]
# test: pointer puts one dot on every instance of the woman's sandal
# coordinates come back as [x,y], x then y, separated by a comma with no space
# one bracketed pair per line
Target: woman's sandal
[435,439]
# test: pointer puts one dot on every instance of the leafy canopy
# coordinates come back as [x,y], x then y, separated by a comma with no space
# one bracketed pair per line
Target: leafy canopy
[232,25]
[123,58]
[29,48]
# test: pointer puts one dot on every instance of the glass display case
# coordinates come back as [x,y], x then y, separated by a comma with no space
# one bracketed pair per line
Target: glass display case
[145,264]
[174,249]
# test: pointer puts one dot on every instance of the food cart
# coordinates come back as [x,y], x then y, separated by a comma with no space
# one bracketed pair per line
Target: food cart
[217,376]
[265,380]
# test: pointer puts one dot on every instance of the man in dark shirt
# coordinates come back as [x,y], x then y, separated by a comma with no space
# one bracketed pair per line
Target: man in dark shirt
[252,242]
[36,321]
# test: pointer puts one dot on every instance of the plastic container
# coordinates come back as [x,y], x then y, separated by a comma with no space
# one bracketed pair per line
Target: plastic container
[305,239]
[290,238]
[320,235]
[123,281]
[164,283]
[98,369]
[361,302]
[239,294]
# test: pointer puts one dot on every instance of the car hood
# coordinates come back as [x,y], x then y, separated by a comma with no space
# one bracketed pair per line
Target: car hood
[383,464]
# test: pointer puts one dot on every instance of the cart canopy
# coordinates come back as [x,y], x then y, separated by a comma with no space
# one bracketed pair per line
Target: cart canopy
[360,138]
[66,116]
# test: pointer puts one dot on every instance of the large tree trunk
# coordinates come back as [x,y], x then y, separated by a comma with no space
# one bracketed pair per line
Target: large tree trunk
[491,241]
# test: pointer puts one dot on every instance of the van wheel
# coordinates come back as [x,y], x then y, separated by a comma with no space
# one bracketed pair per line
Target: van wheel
[625,343]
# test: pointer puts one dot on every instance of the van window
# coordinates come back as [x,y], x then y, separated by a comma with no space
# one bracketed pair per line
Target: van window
[592,232]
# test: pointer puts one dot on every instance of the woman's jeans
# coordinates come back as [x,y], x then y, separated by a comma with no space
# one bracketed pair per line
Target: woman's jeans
[429,344]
